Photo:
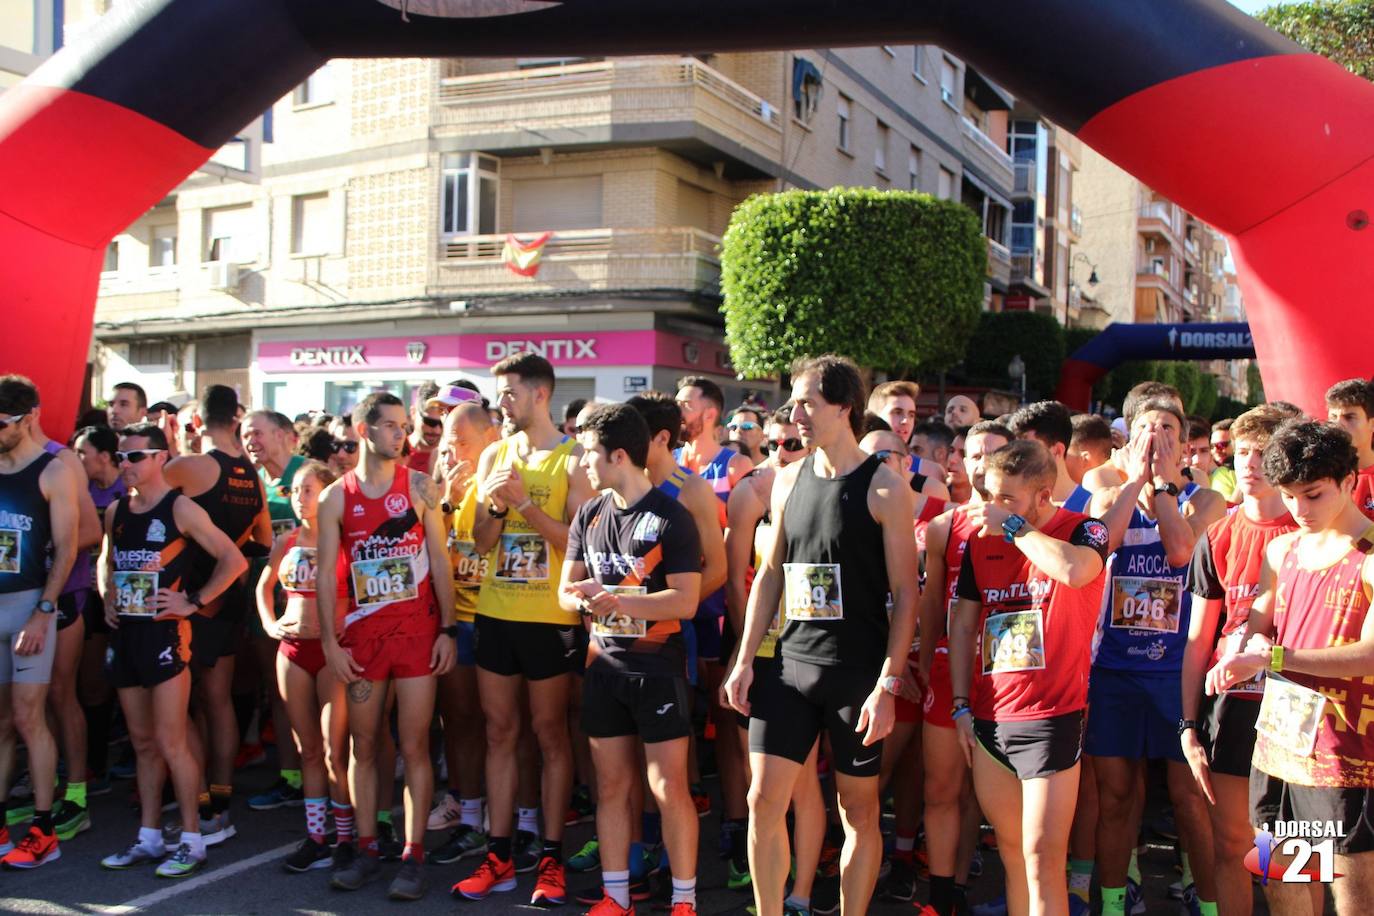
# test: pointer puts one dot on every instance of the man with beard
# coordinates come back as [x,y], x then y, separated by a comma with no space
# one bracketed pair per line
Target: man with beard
[745,429]
[960,410]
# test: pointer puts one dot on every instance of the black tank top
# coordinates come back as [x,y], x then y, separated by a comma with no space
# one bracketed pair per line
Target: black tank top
[25,528]
[235,500]
[149,544]
[834,568]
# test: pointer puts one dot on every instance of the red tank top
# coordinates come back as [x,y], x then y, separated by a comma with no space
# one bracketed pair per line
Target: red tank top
[1364,491]
[960,530]
[1317,609]
[384,570]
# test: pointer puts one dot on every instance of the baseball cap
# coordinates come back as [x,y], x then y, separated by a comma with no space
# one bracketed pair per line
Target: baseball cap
[452,396]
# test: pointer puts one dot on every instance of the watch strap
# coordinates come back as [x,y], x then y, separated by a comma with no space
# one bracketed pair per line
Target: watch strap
[1276,658]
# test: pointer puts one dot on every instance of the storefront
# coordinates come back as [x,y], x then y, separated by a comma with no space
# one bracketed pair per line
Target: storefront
[334,373]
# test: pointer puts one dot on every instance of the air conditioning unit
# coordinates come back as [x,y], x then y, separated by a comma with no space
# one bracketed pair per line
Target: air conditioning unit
[223,275]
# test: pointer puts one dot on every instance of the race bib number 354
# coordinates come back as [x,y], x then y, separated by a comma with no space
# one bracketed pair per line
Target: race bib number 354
[1146,604]
[812,591]
[523,558]
[1013,642]
[133,593]
[384,581]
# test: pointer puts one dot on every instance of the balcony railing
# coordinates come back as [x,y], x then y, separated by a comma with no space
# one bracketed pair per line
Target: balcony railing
[1025,177]
[679,257]
[999,162]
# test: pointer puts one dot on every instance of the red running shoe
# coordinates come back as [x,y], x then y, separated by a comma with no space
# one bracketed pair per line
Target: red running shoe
[492,876]
[550,883]
[35,849]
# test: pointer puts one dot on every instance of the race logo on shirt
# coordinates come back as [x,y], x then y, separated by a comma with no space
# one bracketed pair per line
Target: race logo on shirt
[1095,534]
[396,504]
[157,532]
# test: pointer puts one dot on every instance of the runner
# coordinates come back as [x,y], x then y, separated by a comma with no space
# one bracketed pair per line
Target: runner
[382,569]
[1350,405]
[844,522]
[931,441]
[1050,424]
[530,486]
[570,412]
[467,433]
[895,402]
[1198,453]
[1309,632]
[1028,591]
[746,432]
[960,489]
[1224,579]
[633,567]
[1113,473]
[961,410]
[128,405]
[345,451]
[1155,520]
[39,524]
[1224,477]
[427,422]
[950,815]
[222,481]
[151,584]
[1090,448]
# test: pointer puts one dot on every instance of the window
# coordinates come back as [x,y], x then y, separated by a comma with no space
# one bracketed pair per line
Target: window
[949,82]
[945,189]
[844,123]
[150,353]
[310,224]
[806,89]
[541,204]
[230,235]
[318,88]
[468,194]
[880,150]
[111,265]
[918,62]
[913,168]
[162,247]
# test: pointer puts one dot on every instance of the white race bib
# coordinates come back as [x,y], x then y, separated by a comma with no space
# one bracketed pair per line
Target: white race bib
[133,593]
[522,558]
[1290,715]
[384,581]
[282,526]
[11,546]
[1255,685]
[812,591]
[1013,642]
[298,570]
[1146,604]
[620,625]
[469,566]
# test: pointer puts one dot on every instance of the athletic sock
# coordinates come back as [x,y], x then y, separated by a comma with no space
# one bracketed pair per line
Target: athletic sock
[905,845]
[617,886]
[367,845]
[316,812]
[414,852]
[150,838]
[1113,901]
[292,778]
[42,819]
[197,843]
[529,820]
[384,817]
[651,825]
[499,846]
[1081,878]
[76,793]
[206,812]
[1187,869]
[1207,907]
[684,891]
[470,812]
[942,894]
[343,822]
[220,796]
[553,849]
[1133,870]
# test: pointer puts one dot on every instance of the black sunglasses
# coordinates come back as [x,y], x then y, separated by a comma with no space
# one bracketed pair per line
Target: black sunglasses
[345,445]
[11,421]
[790,444]
[134,456]
[433,422]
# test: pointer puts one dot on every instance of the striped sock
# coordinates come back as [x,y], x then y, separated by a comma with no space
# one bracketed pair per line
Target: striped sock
[617,884]
[684,891]
[315,814]
[343,822]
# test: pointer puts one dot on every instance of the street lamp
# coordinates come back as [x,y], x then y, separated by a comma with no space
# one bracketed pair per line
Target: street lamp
[1092,277]
[1016,369]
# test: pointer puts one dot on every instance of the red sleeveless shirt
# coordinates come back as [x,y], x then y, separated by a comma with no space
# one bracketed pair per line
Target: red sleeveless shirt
[384,570]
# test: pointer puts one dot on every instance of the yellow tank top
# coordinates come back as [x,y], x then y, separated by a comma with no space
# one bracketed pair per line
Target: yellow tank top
[469,567]
[522,578]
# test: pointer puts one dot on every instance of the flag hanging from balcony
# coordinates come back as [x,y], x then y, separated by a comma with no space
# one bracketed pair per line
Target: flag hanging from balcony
[523,257]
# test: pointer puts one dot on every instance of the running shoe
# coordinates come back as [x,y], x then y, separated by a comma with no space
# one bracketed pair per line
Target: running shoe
[995,907]
[134,856]
[356,871]
[528,851]
[701,800]
[464,841]
[588,858]
[22,788]
[181,863]
[389,846]
[35,849]
[344,854]
[281,795]
[217,829]
[1176,890]
[492,876]
[737,878]
[581,809]
[308,856]
[95,787]
[900,883]
[445,815]
[70,820]
[1135,899]
[607,906]
[1078,906]
[1191,902]
[5,844]
[825,894]
[684,909]
[551,884]
[410,882]
[18,814]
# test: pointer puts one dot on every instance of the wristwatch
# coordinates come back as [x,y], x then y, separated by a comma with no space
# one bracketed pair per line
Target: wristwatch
[450,630]
[1170,488]
[1012,527]
[45,607]
[1276,658]
[447,507]
[1185,724]
[494,514]
[891,684]
[194,598]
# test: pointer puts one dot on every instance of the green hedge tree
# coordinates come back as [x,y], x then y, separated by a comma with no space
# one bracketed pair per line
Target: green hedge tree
[1342,31]
[1001,336]
[887,278]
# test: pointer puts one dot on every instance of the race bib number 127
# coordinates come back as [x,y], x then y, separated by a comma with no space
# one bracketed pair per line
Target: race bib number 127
[523,558]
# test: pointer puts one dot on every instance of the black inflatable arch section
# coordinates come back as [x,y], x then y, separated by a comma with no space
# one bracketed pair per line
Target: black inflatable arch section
[1267,142]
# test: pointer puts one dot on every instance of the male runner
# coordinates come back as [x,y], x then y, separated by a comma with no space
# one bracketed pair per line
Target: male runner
[128,405]
[1197,454]
[1155,518]
[1113,473]
[427,422]
[931,440]
[1090,447]
[1029,587]
[1050,424]
[1224,477]
[746,432]
[1224,579]
[382,569]
[1311,633]
[633,567]
[895,404]
[267,440]
[959,486]
[961,410]
[151,585]
[38,542]
[843,546]
[1350,405]
[530,486]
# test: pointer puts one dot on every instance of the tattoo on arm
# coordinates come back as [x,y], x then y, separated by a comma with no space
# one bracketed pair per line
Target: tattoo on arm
[360,691]
[426,487]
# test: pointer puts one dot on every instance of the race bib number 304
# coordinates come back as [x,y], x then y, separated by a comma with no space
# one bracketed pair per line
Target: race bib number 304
[620,625]
[1290,715]
[384,581]
[522,558]
[133,593]
[1013,642]
[1146,604]
[812,591]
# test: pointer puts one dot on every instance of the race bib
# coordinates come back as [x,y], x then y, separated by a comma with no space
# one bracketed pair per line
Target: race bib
[522,558]
[620,625]
[384,581]
[282,526]
[469,566]
[11,545]
[1013,642]
[133,593]
[1233,645]
[1146,604]
[812,591]
[1289,715]
[298,571]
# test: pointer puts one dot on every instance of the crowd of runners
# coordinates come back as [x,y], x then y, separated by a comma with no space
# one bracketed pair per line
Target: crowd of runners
[832,606]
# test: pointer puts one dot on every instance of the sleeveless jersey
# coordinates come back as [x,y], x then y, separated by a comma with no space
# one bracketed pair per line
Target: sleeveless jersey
[522,580]
[235,501]
[1364,491]
[150,553]
[1315,731]
[104,496]
[960,531]
[279,495]
[834,572]
[1079,499]
[384,570]
[469,567]
[672,485]
[716,472]
[81,575]
[25,528]
[1145,606]
[1034,634]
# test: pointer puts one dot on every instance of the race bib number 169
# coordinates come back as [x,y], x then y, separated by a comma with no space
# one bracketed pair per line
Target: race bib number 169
[812,591]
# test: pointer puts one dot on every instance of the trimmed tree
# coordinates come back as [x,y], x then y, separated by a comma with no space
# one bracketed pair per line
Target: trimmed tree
[888,278]
[1342,31]
[1001,336]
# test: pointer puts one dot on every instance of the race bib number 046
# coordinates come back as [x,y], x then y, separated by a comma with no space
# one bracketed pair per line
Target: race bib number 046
[469,567]
[1013,642]
[620,625]
[1290,715]
[1146,604]
[133,593]
[812,591]
[384,581]
[523,558]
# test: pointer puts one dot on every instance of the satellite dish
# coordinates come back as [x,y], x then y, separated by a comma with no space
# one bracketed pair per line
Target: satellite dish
[468,9]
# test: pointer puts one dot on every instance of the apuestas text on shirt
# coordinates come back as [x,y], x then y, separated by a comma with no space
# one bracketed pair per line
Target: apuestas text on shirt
[16,521]
[139,559]
[605,563]
[1035,589]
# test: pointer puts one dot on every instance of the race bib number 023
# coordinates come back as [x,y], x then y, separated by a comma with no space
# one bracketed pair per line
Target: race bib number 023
[384,581]
[1146,604]
[133,593]
[523,558]
[1013,642]
[1290,715]
[620,625]
[812,591]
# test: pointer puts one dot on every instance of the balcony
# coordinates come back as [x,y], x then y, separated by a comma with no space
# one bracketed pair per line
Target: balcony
[1154,275]
[1025,181]
[675,102]
[999,263]
[584,260]
[1157,218]
[990,158]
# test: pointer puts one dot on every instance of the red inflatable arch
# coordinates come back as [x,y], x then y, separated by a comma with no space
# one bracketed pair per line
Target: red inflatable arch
[1258,137]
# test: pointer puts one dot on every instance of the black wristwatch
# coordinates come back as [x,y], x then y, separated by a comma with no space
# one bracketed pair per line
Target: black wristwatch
[45,607]
[450,630]
[447,507]
[194,598]
[494,514]
[1170,488]
[1185,724]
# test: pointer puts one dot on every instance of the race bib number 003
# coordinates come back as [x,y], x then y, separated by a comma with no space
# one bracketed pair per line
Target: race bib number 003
[620,625]
[1146,604]
[1013,642]
[812,591]
[384,581]
[1290,715]
[469,567]
[523,558]
[11,546]
[133,593]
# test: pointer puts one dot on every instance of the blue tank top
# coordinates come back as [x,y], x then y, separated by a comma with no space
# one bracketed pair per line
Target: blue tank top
[25,529]
[672,486]
[1145,607]
[717,474]
[1078,500]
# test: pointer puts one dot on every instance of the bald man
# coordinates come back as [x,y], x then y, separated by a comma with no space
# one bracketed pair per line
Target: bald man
[961,410]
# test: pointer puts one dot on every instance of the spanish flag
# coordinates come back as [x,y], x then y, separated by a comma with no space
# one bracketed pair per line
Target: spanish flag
[523,257]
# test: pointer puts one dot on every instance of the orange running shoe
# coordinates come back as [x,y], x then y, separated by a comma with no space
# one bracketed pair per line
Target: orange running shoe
[491,876]
[608,907]
[684,909]
[550,883]
[35,849]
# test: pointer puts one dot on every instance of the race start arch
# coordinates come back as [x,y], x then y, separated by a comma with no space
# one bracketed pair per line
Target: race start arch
[1121,342]
[1267,142]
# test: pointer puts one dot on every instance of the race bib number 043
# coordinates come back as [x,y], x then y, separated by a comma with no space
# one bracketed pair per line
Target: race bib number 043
[469,567]
[1146,604]
[812,591]
[523,558]
[1013,642]
[1290,715]
[384,581]
[620,625]
[133,593]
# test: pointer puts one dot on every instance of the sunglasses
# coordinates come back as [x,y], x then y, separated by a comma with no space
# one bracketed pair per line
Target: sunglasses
[790,444]
[745,425]
[345,445]
[884,454]
[11,421]
[134,456]
[433,422]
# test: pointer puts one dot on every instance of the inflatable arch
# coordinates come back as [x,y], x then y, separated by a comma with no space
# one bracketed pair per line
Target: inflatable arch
[1260,138]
